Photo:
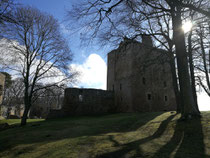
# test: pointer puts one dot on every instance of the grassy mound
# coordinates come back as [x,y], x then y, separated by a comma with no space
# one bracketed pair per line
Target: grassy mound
[155,135]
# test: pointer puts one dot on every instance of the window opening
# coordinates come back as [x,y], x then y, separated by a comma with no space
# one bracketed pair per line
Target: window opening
[166,98]
[80,98]
[149,97]
[144,81]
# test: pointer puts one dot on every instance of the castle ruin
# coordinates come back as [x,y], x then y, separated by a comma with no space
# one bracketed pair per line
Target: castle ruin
[139,74]
[138,80]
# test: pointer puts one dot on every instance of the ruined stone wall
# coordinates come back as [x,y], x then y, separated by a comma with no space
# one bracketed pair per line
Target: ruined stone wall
[87,102]
[140,78]
[2,80]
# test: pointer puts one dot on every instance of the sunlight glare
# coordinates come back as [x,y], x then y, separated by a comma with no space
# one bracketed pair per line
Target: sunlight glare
[187,26]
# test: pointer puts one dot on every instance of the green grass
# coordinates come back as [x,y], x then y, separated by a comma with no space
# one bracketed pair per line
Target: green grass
[150,135]
[17,121]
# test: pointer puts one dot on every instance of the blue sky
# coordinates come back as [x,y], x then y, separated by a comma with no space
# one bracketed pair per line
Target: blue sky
[90,60]
[59,8]
[54,7]
[84,57]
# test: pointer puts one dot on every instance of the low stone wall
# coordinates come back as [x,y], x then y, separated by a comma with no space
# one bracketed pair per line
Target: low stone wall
[87,101]
[56,114]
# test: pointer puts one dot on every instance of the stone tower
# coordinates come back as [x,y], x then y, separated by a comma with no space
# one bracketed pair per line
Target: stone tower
[140,77]
[147,40]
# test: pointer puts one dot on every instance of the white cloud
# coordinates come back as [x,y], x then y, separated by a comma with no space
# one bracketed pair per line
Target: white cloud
[93,72]
[12,60]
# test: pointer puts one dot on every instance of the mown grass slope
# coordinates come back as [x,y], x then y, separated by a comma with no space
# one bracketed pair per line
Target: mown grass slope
[150,135]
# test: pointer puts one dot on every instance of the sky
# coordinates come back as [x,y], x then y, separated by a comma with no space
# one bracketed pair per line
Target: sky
[90,60]
[85,57]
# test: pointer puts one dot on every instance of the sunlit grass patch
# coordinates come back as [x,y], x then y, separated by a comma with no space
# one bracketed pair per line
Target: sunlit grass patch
[119,135]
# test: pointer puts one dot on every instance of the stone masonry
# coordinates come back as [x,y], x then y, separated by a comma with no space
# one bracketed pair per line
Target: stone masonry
[87,101]
[140,77]
[81,101]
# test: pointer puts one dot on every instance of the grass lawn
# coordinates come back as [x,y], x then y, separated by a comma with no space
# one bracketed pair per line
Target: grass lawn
[17,121]
[149,135]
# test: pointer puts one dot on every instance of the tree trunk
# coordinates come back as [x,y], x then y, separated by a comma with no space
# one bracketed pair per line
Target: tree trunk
[189,109]
[204,60]
[27,102]
[25,116]
[192,74]
[175,84]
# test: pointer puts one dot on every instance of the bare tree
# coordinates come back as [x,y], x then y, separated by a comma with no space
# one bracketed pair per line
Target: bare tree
[6,15]
[46,100]
[6,7]
[14,94]
[203,57]
[196,6]
[39,52]
[162,33]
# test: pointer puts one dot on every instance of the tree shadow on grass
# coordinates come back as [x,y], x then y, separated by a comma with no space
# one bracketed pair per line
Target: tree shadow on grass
[126,148]
[187,141]
[51,130]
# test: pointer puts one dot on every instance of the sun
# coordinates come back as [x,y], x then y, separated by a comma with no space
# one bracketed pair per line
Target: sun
[187,26]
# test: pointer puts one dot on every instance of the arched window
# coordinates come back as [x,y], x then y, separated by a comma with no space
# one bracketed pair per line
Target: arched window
[80,98]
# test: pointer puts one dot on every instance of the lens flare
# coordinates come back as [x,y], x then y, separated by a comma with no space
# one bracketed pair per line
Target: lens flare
[187,26]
